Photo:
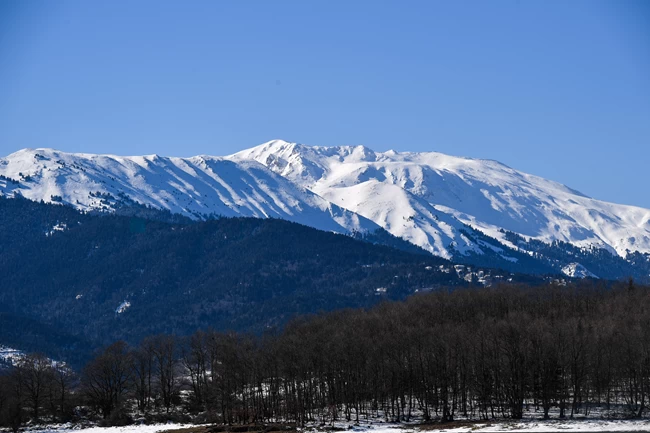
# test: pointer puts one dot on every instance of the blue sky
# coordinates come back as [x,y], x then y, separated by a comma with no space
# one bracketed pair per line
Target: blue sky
[558,89]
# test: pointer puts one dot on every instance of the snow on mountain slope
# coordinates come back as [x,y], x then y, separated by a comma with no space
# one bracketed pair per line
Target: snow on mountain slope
[576,270]
[404,215]
[425,198]
[10,356]
[196,187]
[392,186]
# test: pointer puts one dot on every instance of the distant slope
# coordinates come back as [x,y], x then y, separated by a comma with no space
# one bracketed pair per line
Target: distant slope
[23,333]
[401,191]
[102,278]
[198,187]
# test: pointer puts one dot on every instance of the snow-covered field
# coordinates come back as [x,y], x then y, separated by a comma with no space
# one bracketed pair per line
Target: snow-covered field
[526,425]
[553,426]
[488,427]
[69,428]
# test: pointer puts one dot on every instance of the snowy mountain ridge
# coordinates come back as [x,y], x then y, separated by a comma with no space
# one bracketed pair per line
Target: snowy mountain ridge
[423,196]
[196,187]
[427,198]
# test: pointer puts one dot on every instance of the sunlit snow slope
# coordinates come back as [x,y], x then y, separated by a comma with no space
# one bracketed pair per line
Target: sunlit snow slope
[424,197]
[196,187]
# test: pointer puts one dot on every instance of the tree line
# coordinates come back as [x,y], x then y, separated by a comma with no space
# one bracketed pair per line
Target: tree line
[469,353]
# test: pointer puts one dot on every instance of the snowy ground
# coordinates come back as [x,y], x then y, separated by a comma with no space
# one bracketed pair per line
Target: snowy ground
[511,426]
[69,428]
[488,427]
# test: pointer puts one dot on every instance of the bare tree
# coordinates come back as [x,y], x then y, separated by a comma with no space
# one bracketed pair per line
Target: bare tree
[106,378]
[164,352]
[36,374]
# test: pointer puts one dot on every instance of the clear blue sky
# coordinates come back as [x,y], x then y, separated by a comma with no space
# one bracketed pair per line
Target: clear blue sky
[559,89]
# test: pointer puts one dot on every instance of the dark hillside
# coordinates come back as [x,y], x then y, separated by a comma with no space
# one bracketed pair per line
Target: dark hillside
[73,271]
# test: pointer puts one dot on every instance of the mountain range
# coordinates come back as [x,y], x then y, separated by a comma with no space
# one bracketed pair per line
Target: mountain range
[426,197]
[462,209]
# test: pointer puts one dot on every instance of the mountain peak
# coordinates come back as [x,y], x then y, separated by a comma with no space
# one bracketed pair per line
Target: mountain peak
[273,146]
[483,193]
[198,187]
[428,198]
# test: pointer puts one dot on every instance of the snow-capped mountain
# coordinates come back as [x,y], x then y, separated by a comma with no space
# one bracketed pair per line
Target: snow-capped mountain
[427,197]
[433,200]
[197,187]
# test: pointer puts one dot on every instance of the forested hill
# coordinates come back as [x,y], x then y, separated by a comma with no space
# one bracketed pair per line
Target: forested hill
[109,277]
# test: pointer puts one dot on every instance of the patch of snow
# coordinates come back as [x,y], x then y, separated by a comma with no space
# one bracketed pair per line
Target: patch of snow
[60,227]
[9,355]
[142,428]
[122,307]
[12,356]
[510,259]
[531,425]
[576,270]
